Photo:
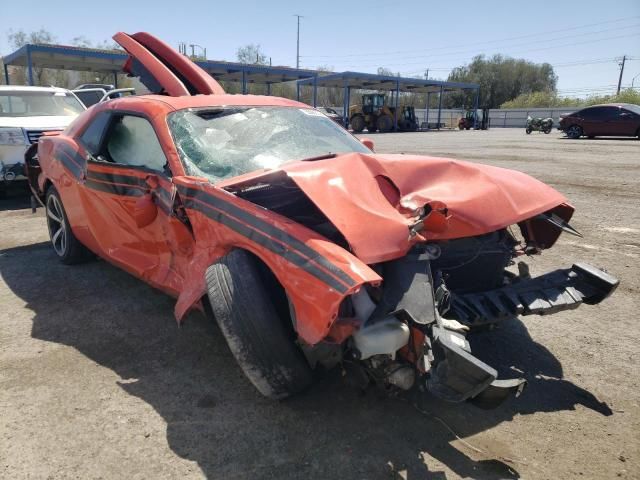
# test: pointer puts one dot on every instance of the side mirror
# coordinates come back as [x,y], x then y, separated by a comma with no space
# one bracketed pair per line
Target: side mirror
[367,143]
[145,211]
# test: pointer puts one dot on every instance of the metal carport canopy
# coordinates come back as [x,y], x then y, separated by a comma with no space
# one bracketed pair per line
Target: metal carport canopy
[111,61]
[372,81]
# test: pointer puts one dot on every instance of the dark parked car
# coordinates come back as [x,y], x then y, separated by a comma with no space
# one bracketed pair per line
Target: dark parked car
[615,120]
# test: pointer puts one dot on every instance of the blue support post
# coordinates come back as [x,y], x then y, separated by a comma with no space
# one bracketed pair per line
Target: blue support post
[345,105]
[115,79]
[244,82]
[475,109]
[315,91]
[395,117]
[426,112]
[6,74]
[29,66]
[269,88]
[297,91]
[440,106]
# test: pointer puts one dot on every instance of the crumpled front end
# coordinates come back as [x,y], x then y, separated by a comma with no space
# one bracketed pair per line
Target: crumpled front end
[446,239]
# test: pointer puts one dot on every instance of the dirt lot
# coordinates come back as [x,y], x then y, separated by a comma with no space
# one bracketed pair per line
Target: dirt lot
[96,380]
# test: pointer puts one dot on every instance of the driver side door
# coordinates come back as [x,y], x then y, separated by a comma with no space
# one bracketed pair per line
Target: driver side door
[129,199]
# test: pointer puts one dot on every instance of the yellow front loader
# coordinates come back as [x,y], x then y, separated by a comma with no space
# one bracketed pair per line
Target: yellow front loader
[374,115]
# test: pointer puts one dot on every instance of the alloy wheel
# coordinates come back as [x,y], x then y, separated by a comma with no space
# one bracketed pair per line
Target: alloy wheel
[57,225]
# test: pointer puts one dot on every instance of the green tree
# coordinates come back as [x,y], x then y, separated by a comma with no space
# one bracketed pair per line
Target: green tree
[502,79]
[550,99]
[385,71]
[252,54]
[41,76]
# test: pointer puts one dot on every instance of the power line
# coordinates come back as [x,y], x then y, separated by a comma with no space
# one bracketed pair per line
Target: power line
[554,65]
[422,62]
[537,34]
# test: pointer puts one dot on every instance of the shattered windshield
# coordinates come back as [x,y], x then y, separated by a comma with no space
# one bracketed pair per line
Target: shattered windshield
[225,142]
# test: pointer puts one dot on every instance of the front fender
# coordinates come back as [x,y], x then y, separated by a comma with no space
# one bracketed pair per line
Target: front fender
[316,273]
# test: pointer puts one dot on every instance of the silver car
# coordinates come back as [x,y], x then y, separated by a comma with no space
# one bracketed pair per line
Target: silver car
[25,114]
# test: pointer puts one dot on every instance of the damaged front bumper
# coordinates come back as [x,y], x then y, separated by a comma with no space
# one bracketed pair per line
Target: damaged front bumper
[443,360]
[563,289]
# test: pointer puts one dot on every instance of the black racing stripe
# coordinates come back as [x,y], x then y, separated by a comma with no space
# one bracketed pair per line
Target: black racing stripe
[269,229]
[268,243]
[163,193]
[69,164]
[116,178]
[114,189]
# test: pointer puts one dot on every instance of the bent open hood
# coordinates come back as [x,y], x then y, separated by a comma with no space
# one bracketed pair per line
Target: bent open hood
[356,192]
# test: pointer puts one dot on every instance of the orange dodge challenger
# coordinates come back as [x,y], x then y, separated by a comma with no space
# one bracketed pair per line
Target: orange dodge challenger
[310,249]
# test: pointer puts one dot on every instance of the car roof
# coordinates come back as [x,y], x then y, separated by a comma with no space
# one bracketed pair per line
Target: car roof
[609,105]
[25,88]
[203,101]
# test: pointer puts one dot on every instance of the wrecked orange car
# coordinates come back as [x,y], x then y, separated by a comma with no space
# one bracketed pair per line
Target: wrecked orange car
[310,249]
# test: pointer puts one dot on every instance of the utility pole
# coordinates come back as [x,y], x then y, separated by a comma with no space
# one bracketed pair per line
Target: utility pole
[624,58]
[426,74]
[298,42]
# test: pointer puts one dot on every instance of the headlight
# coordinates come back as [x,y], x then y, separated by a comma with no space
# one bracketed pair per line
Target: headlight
[12,136]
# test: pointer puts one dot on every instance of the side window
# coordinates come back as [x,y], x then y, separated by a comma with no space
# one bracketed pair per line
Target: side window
[590,114]
[610,113]
[92,136]
[132,141]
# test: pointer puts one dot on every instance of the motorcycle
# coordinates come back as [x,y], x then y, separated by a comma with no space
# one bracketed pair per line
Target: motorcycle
[539,124]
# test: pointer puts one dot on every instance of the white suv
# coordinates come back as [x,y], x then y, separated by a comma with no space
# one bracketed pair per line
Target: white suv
[25,114]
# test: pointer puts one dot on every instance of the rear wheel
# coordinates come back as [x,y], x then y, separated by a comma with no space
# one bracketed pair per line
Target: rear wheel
[67,247]
[261,340]
[528,130]
[357,124]
[574,131]
[547,130]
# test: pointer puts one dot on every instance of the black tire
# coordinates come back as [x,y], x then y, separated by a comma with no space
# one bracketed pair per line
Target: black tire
[357,123]
[66,246]
[528,130]
[384,123]
[574,131]
[547,131]
[262,341]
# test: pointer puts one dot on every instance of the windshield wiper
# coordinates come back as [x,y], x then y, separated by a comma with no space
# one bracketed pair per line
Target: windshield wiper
[319,157]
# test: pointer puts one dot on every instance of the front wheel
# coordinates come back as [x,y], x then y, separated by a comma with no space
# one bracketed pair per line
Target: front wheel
[261,340]
[574,131]
[67,247]
[357,124]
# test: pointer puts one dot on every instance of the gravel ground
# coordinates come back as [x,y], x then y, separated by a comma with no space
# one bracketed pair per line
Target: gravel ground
[96,380]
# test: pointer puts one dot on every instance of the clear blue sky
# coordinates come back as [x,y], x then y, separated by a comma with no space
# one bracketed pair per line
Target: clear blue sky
[582,39]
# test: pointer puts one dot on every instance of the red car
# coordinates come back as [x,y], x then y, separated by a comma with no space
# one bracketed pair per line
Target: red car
[309,248]
[609,120]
